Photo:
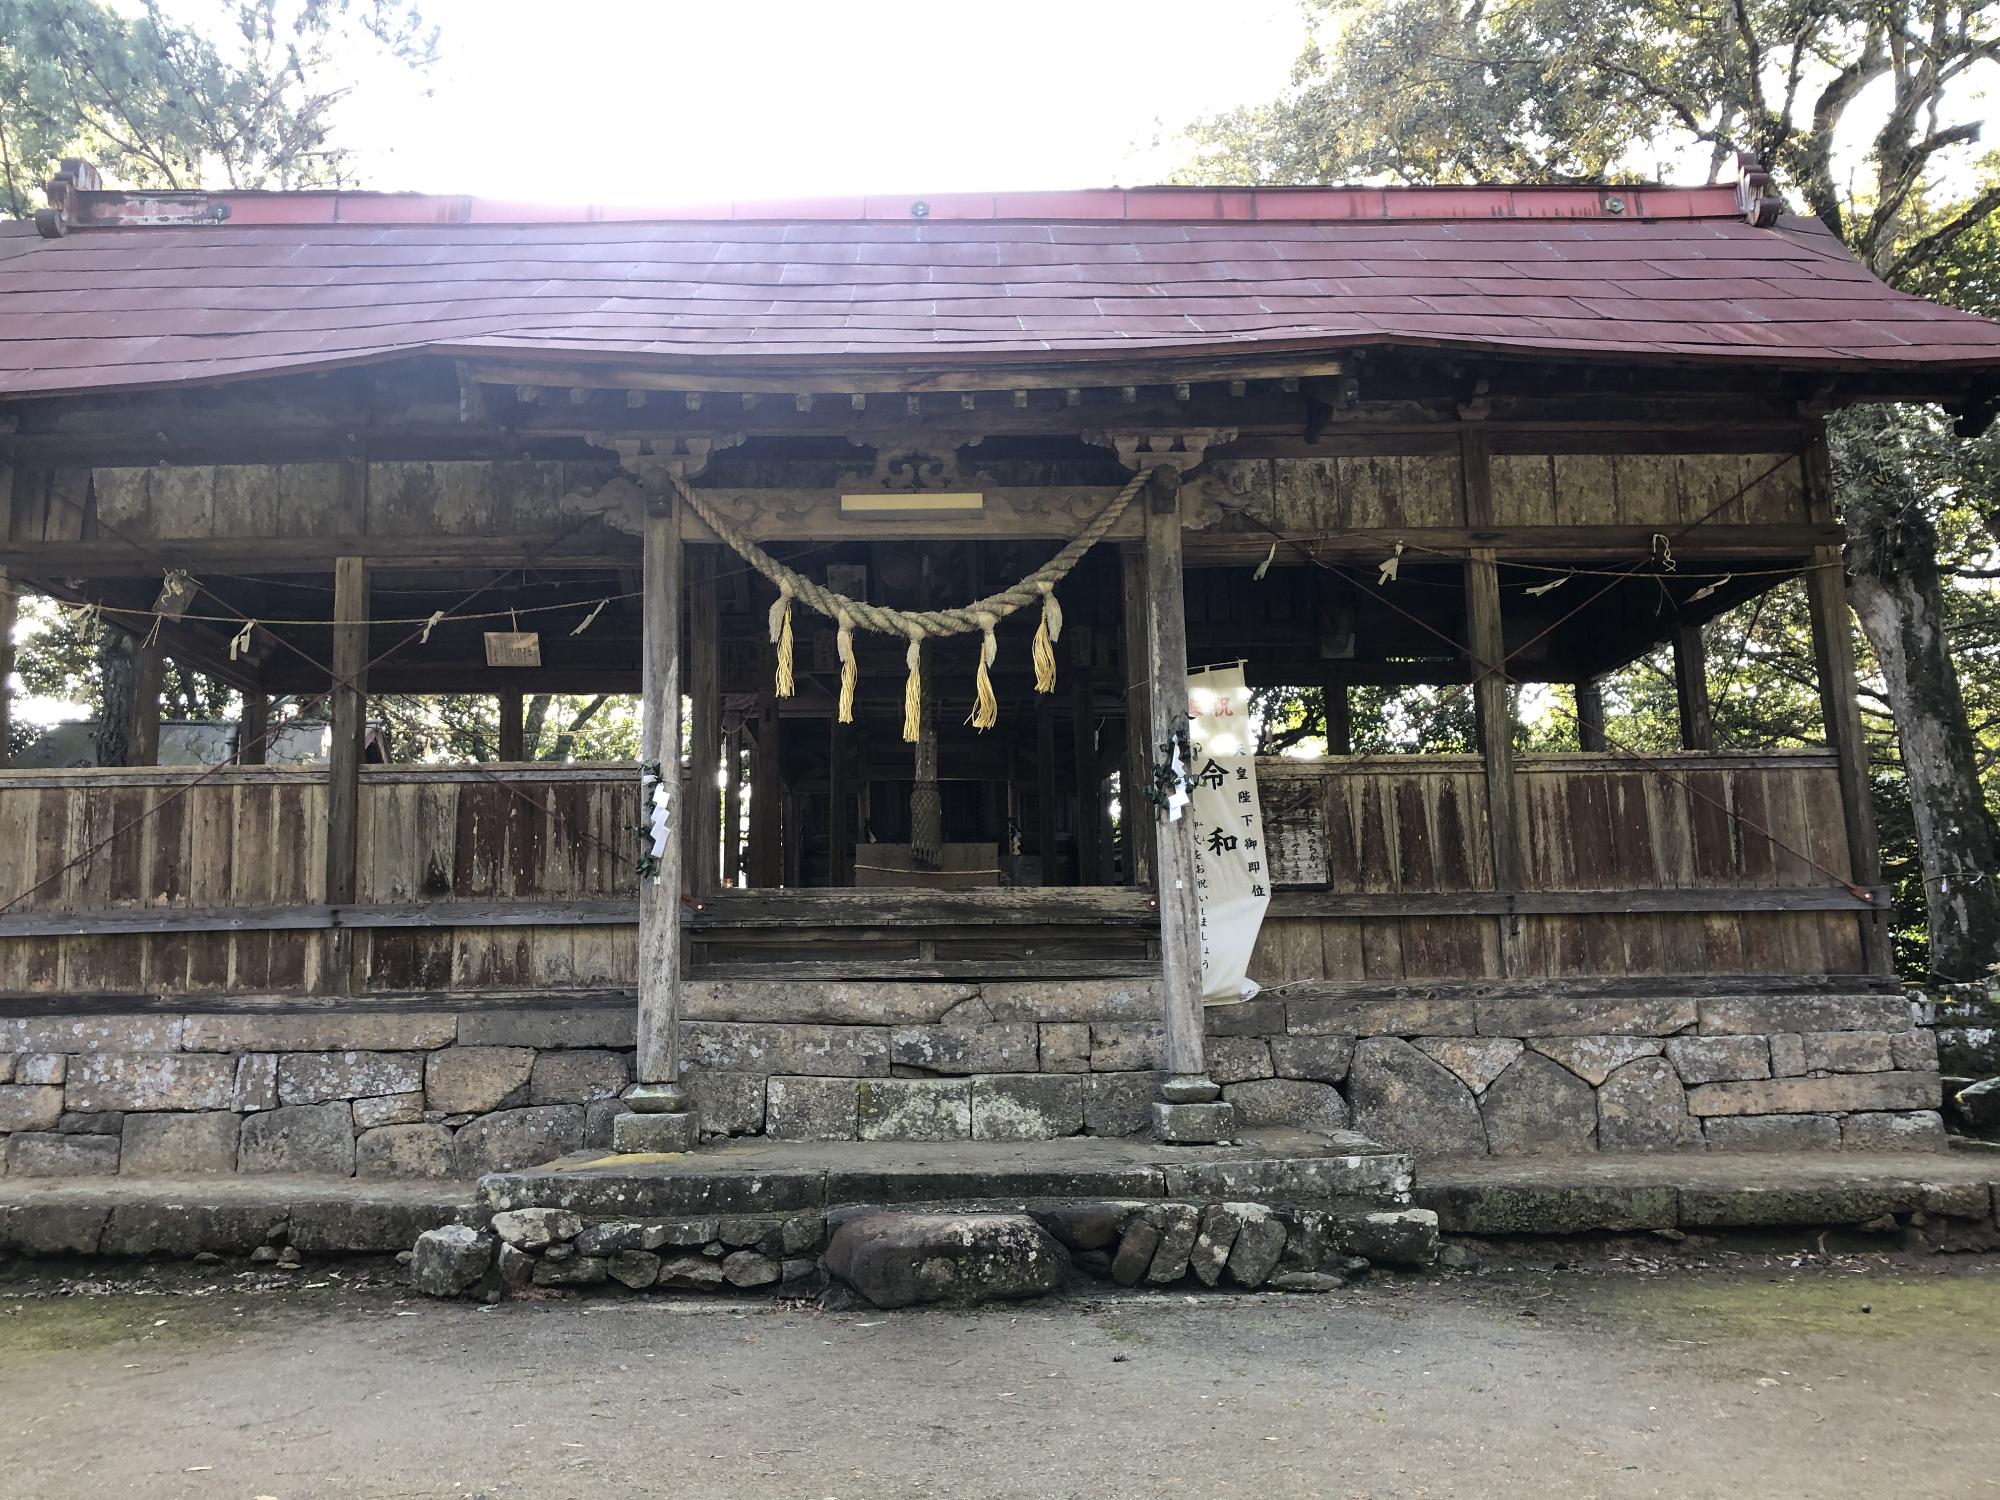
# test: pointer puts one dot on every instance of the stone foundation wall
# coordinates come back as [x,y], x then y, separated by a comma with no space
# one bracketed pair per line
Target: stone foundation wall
[402,1091]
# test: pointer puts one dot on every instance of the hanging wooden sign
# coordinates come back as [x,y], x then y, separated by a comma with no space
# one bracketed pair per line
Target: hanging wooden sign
[513,648]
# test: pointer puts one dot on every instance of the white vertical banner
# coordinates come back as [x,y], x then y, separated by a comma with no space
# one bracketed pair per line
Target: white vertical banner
[1232,869]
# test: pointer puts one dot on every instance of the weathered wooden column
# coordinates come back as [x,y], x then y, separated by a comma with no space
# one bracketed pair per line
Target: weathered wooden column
[1488,651]
[767,854]
[343,758]
[659,1118]
[1135,813]
[704,834]
[1089,790]
[732,803]
[1691,689]
[1189,1110]
[1839,701]
[1338,699]
[10,607]
[149,671]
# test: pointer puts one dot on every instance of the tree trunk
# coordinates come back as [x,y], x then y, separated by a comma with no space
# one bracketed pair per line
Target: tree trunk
[1897,593]
[118,703]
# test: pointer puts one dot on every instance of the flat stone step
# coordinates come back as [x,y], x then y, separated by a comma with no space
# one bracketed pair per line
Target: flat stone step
[897,1257]
[764,1176]
[1672,1190]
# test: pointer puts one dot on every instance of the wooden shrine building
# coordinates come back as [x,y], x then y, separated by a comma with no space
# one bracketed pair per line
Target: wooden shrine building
[328,445]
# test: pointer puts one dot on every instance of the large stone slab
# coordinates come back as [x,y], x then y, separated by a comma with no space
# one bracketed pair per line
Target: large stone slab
[1404,1099]
[314,1139]
[1321,1059]
[472,1080]
[578,1076]
[1005,1047]
[813,1109]
[510,1139]
[149,1081]
[1334,1015]
[1027,1106]
[1538,1107]
[1242,1059]
[727,1103]
[1475,1060]
[1072,999]
[914,1109]
[1288,1101]
[1507,1208]
[1848,1052]
[1065,1047]
[186,1226]
[1594,1058]
[32,1154]
[143,1032]
[1799,1096]
[1912,1130]
[1119,1103]
[1720,1059]
[1642,1107]
[450,1260]
[404,1151]
[1772,1133]
[51,1228]
[321,1031]
[897,1259]
[179,1145]
[30,1107]
[320,1077]
[1763,1015]
[833,1002]
[1127,1046]
[1585,1015]
[793,1050]
[567,1024]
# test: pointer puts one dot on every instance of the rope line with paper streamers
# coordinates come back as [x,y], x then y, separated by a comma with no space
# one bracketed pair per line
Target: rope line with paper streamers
[982,615]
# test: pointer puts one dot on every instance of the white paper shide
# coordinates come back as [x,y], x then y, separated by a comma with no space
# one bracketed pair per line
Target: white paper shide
[1232,878]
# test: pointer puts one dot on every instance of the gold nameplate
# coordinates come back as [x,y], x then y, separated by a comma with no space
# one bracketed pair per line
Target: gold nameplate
[916,503]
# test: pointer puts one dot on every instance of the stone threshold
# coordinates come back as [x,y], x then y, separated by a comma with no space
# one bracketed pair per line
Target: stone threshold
[1555,1195]
[766,1176]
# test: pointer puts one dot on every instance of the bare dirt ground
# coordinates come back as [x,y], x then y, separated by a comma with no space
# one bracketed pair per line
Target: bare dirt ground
[1630,1369]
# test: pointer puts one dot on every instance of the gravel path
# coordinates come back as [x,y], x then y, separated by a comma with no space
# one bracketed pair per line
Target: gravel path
[1633,1375]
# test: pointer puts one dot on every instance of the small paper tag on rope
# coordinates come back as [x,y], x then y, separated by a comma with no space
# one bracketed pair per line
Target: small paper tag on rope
[1393,567]
[1547,588]
[590,618]
[436,619]
[240,645]
[1663,551]
[1265,566]
[1703,592]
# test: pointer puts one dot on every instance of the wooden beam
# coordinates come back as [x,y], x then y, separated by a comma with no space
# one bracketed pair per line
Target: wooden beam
[658,1063]
[1166,669]
[1496,733]
[1839,699]
[343,767]
[513,731]
[1590,715]
[704,835]
[1691,688]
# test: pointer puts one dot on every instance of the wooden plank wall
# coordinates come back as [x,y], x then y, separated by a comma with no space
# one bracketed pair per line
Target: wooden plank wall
[1417,825]
[1648,489]
[247,836]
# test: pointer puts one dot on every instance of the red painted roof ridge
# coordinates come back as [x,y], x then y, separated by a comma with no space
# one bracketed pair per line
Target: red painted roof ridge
[109,208]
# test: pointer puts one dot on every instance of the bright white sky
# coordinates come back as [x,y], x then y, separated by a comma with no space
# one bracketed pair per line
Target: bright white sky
[672,101]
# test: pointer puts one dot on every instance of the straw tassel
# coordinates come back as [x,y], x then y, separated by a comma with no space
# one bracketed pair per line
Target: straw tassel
[1047,633]
[913,692]
[985,707]
[843,643]
[781,637]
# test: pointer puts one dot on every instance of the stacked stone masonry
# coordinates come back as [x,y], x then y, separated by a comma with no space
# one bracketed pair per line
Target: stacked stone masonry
[404,1091]
[1239,1245]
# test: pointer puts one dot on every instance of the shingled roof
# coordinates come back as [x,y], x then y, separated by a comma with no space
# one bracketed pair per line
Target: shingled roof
[149,290]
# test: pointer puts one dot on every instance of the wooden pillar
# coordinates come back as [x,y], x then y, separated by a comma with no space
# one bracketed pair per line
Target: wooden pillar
[10,607]
[926,804]
[766,850]
[1136,813]
[732,805]
[1339,716]
[512,730]
[349,698]
[1496,736]
[704,833]
[1590,714]
[660,1119]
[1691,688]
[1187,1112]
[1045,786]
[1089,790]
[839,790]
[1839,699]
[253,730]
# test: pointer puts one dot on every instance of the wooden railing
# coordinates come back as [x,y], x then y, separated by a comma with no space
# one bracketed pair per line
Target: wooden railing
[522,877]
